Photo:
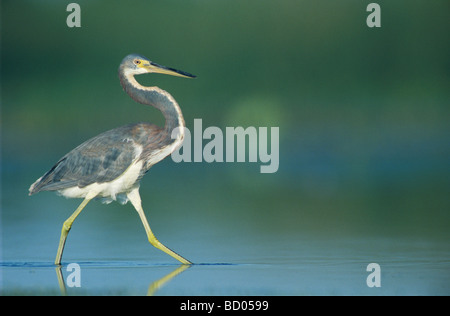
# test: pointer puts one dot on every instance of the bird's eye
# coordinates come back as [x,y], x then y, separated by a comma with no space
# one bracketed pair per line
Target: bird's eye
[137,61]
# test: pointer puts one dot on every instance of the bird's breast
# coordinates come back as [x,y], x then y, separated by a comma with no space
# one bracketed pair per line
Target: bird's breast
[154,156]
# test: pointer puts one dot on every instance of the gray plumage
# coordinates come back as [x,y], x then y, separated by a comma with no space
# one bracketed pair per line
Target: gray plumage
[100,159]
[107,156]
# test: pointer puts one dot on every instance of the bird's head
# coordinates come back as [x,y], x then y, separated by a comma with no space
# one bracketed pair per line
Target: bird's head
[137,64]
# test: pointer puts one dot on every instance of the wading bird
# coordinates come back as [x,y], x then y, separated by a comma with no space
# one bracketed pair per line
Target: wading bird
[111,165]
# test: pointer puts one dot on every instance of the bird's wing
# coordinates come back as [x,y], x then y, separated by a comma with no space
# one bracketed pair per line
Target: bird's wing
[99,159]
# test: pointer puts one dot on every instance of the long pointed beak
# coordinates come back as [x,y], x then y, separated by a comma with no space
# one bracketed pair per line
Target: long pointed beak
[155,68]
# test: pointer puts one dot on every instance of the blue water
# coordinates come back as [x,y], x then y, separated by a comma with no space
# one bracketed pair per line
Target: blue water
[289,265]
[244,237]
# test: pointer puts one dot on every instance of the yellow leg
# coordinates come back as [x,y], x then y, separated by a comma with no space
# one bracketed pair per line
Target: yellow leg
[135,199]
[66,228]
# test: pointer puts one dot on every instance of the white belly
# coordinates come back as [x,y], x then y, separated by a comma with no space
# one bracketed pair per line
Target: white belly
[109,190]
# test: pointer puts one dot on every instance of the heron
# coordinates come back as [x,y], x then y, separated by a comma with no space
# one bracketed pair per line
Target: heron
[110,166]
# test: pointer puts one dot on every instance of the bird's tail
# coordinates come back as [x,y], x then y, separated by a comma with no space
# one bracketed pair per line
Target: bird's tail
[33,188]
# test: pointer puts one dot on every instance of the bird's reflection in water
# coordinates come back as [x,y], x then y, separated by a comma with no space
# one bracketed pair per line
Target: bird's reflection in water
[156,285]
[152,289]
[62,285]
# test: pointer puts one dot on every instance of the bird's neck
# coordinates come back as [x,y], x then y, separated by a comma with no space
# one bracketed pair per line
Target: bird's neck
[157,98]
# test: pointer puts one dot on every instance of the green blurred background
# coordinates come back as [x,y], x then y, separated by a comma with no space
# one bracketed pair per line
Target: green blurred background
[363,112]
